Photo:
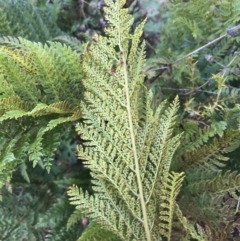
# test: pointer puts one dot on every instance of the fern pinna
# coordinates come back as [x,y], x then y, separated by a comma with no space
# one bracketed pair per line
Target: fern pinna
[129,145]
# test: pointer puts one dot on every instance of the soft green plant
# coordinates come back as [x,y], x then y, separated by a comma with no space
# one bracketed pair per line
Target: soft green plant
[131,143]
[27,20]
[39,210]
[40,97]
[39,94]
[189,26]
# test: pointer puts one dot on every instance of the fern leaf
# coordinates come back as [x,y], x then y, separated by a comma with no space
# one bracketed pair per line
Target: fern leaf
[219,185]
[21,18]
[30,72]
[129,145]
[212,155]
[35,149]
[7,160]
[171,190]
[53,123]
[23,170]
[13,114]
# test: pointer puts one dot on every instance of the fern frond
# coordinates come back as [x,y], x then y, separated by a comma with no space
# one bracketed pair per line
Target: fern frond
[211,155]
[61,120]
[167,209]
[7,161]
[219,185]
[129,145]
[50,73]
[13,150]
[41,89]
[23,171]
[201,136]
[74,218]
[35,148]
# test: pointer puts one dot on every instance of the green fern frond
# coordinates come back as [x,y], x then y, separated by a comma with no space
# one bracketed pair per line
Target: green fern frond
[35,149]
[219,185]
[50,73]
[200,136]
[74,218]
[50,143]
[41,89]
[7,161]
[171,190]
[130,145]
[23,171]
[211,155]
[10,156]
[61,120]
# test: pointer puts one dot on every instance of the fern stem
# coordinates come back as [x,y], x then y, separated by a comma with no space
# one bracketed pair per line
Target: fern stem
[142,201]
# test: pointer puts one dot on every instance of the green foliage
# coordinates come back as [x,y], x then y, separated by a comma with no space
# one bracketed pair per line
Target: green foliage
[130,144]
[40,97]
[24,19]
[190,25]
[38,210]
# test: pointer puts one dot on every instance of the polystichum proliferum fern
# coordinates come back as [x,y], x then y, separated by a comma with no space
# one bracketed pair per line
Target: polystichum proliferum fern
[130,143]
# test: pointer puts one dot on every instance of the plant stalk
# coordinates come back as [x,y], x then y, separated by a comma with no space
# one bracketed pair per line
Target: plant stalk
[137,169]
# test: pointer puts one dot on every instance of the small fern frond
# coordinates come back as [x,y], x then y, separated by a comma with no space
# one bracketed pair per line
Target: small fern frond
[211,155]
[61,120]
[35,149]
[23,171]
[221,184]
[8,160]
[74,218]
[201,136]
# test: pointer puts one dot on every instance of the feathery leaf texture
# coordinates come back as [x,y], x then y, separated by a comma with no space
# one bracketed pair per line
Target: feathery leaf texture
[213,154]
[130,145]
[40,95]
[22,18]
